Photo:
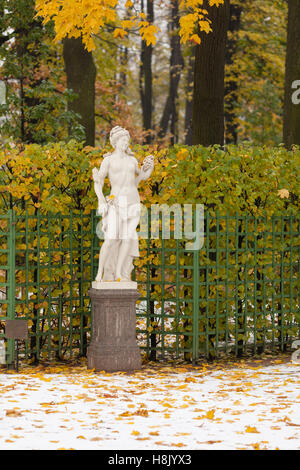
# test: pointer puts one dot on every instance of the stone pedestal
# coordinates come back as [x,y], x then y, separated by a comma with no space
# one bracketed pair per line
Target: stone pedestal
[113,346]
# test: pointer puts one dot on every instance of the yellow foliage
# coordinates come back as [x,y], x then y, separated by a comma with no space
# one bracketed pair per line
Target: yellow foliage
[73,18]
[118,32]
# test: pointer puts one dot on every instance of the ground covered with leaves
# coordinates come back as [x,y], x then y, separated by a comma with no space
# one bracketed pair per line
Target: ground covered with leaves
[229,405]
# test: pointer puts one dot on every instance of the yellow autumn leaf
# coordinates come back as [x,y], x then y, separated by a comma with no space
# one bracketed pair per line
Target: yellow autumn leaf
[13,413]
[190,379]
[256,446]
[205,26]
[283,193]
[195,39]
[125,414]
[251,429]
[216,2]
[119,33]
[210,414]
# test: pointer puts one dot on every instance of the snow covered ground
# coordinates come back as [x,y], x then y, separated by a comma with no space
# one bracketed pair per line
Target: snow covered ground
[246,405]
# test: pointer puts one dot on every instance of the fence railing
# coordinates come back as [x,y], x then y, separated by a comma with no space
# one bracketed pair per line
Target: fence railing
[239,293]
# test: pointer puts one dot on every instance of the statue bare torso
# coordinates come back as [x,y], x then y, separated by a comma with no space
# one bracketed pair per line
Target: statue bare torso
[122,172]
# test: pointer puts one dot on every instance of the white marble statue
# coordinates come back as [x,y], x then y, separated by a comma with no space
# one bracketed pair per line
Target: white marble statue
[121,209]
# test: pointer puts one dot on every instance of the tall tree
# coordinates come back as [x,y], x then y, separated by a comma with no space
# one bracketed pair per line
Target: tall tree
[35,110]
[291,115]
[81,76]
[231,88]
[146,80]
[170,113]
[256,70]
[22,56]
[208,100]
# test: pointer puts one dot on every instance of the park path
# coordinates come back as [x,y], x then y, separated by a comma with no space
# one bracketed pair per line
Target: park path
[232,405]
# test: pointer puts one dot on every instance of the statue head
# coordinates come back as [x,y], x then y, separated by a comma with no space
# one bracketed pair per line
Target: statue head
[118,134]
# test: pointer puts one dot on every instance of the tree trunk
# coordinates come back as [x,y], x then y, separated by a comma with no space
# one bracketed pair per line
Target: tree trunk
[231,133]
[208,105]
[170,114]
[3,33]
[146,86]
[189,99]
[124,64]
[81,76]
[291,113]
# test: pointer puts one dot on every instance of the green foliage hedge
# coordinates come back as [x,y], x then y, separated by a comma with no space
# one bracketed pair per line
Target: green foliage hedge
[244,179]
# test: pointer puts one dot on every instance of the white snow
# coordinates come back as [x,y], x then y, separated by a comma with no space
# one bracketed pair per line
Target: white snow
[155,408]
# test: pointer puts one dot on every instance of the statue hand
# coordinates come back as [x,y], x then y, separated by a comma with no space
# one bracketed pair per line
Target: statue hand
[148,163]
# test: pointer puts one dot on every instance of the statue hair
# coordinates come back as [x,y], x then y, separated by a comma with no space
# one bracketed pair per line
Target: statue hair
[115,134]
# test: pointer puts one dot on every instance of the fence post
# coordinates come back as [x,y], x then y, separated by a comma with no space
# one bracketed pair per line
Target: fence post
[92,243]
[92,266]
[195,345]
[11,282]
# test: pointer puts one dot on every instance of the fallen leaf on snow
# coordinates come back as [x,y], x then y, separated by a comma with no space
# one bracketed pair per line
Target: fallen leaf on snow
[251,429]
[13,413]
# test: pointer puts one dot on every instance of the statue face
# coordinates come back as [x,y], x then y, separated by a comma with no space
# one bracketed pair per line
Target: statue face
[122,143]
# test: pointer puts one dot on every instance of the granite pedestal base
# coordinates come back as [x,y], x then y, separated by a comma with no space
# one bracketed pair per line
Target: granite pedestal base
[113,346]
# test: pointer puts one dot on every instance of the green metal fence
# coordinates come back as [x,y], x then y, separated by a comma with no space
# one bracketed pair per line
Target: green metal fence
[47,278]
[7,277]
[238,294]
